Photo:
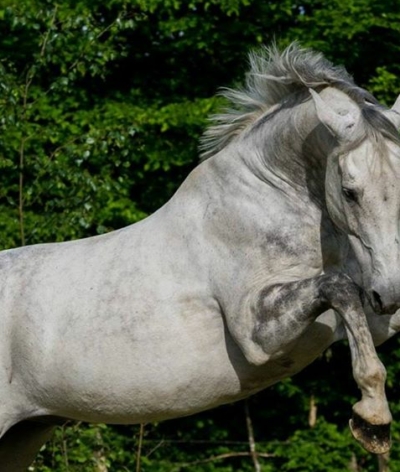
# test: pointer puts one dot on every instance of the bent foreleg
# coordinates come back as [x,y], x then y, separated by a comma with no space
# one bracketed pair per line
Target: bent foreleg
[284,314]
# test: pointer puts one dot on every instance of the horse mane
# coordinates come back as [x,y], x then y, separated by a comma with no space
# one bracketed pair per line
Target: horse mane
[273,76]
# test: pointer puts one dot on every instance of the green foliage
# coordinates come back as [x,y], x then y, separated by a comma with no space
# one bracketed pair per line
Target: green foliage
[102,104]
[383,83]
[319,449]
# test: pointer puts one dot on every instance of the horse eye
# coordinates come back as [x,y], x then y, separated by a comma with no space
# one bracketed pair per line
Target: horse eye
[349,194]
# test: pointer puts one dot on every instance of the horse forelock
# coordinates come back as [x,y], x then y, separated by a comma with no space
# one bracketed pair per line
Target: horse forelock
[273,77]
[379,126]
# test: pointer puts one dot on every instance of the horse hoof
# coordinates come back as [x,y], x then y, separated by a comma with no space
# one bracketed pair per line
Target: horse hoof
[374,438]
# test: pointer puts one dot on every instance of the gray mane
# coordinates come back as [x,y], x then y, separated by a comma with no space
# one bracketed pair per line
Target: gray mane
[275,75]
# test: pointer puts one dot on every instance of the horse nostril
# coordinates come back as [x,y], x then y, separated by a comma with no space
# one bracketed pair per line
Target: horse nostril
[377,300]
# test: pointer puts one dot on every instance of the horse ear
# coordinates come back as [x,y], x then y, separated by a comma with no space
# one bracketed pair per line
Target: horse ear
[341,126]
[394,113]
[396,106]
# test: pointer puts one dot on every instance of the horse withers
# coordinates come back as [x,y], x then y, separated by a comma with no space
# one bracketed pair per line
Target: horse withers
[262,259]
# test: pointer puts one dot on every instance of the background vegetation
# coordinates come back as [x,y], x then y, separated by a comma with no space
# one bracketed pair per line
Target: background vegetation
[101,107]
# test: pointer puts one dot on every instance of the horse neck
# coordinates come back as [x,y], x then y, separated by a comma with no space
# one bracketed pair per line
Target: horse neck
[292,148]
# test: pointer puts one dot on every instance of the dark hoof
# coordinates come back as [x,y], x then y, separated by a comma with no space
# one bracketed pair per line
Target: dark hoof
[374,438]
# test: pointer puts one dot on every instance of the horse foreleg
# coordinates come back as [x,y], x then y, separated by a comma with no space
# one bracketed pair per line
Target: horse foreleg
[21,443]
[286,311]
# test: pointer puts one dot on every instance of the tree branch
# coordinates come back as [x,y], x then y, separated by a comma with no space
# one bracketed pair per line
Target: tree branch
[21,190]
[139,448]
[250,434]
[227,455]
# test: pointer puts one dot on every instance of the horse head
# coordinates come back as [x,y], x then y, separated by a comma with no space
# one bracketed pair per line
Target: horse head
[363,192]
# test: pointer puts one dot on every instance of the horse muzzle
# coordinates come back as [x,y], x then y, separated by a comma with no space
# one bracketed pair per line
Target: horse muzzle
[384,300]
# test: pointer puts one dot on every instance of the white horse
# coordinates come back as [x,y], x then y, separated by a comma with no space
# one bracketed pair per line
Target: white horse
[224,290]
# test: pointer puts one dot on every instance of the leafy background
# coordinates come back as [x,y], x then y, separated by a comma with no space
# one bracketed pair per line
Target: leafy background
[102,105]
